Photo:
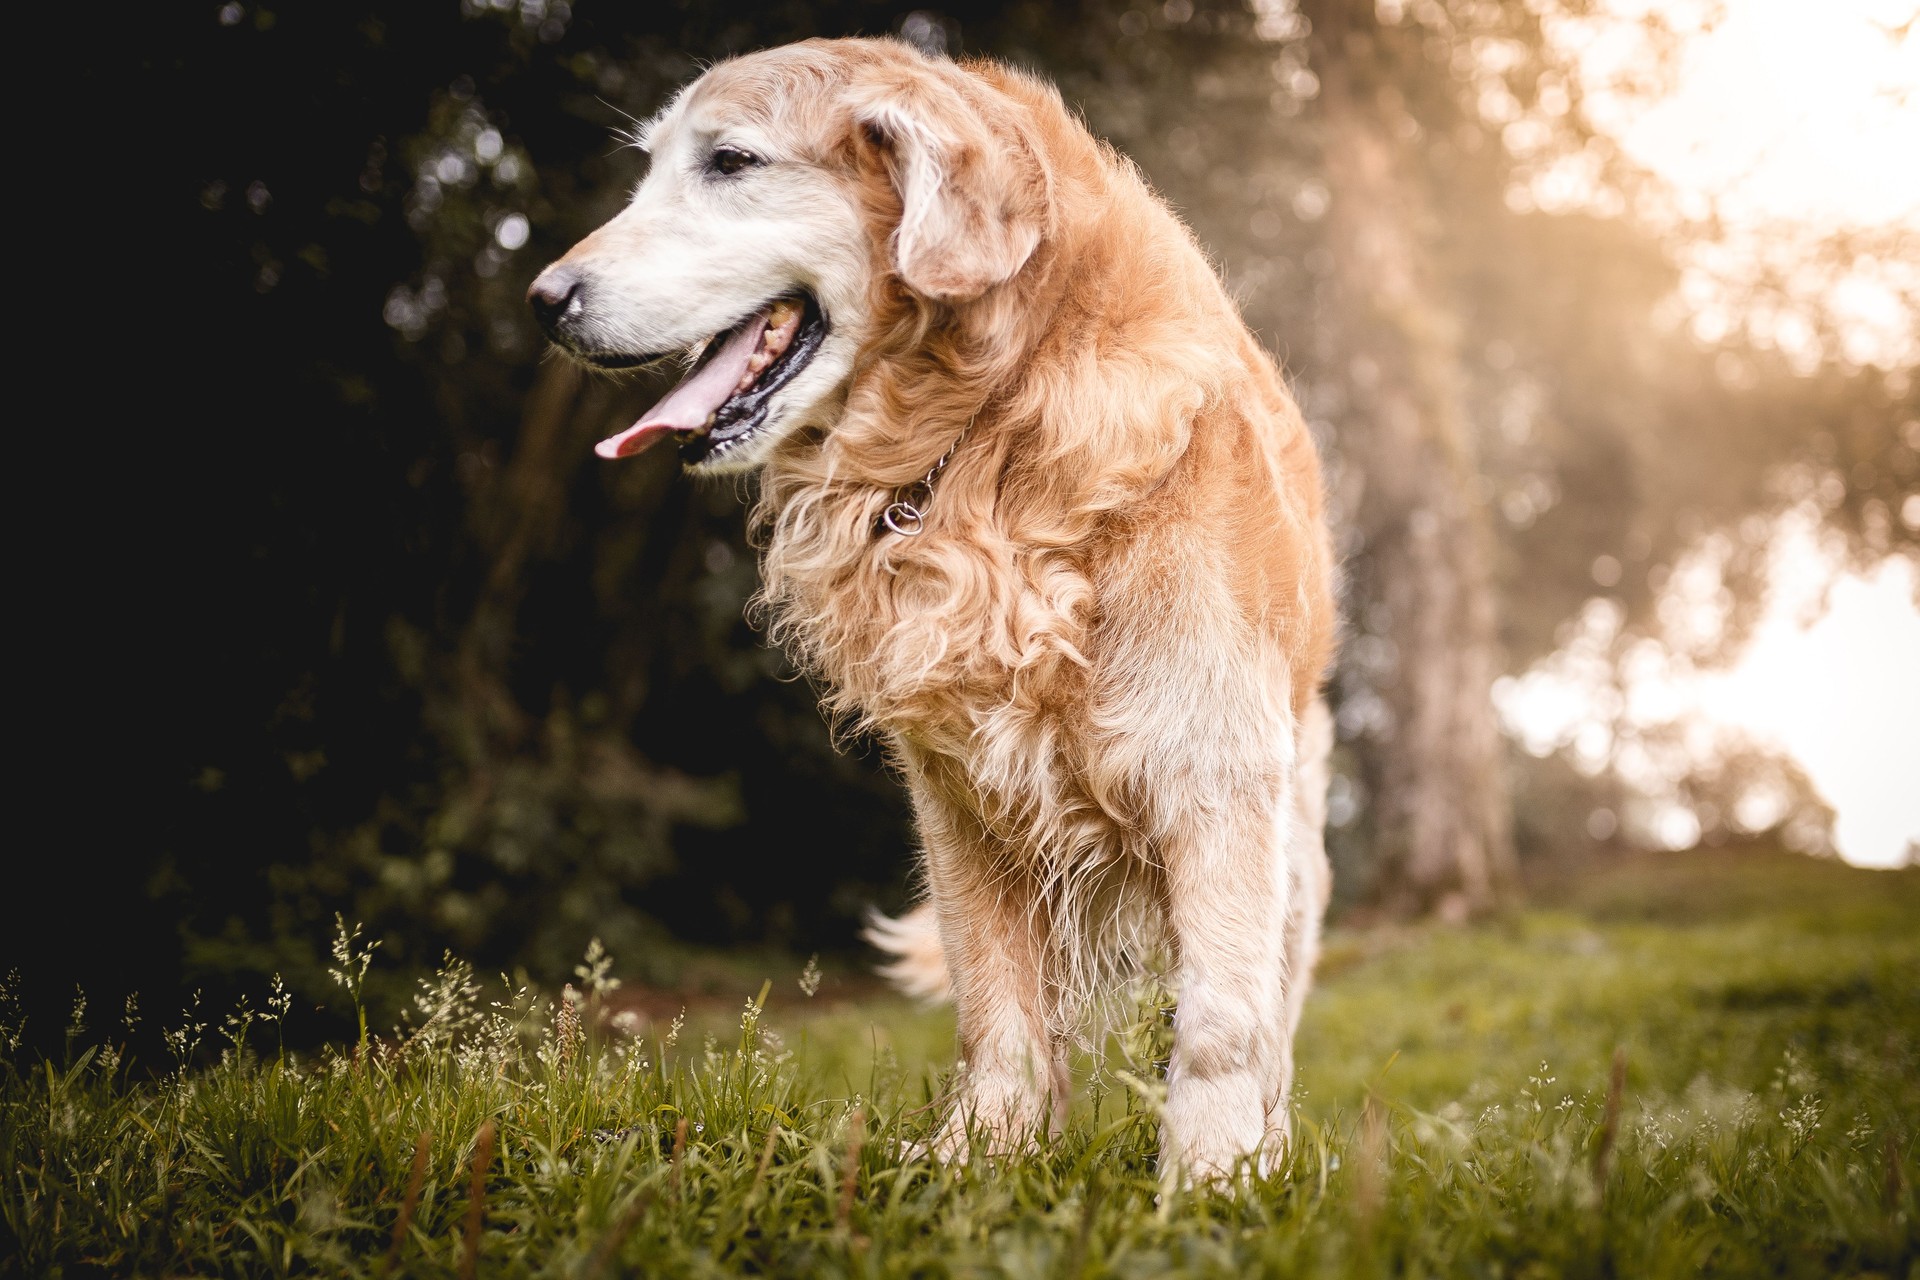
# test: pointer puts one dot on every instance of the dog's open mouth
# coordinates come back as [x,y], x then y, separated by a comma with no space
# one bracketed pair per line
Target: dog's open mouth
[724,399]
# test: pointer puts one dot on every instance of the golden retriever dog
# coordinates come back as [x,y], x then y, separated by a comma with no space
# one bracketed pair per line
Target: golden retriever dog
[1037,511]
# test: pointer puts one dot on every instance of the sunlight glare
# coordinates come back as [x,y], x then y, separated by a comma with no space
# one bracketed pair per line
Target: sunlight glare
[1781,111]
[1842,697]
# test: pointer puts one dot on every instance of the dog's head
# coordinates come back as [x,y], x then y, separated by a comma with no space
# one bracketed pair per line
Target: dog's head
[792,193]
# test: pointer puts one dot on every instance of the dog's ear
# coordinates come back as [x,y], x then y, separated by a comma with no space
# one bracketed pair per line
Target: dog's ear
[973,197]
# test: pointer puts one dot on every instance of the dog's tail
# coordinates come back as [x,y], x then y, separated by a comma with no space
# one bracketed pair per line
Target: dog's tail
[917,965]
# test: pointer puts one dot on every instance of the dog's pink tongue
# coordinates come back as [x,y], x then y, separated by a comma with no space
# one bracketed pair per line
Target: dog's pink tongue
[688,406]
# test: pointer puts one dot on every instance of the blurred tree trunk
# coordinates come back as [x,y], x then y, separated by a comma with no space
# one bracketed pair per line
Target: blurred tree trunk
[515,518]
[1442,817]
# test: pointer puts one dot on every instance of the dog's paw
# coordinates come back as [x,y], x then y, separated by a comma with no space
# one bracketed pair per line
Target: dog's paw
[1216,1135]
[950,1143]
[965,1136]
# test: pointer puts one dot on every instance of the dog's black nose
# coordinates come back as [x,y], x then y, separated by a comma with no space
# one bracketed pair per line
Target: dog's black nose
[552,293]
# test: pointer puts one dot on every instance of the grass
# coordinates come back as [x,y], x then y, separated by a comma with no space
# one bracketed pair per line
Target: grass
[1455,1119]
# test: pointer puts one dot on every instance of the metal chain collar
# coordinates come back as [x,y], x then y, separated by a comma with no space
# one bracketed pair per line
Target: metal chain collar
[906,515]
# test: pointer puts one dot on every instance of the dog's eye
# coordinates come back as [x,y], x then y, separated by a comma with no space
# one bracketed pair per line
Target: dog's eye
[730,160]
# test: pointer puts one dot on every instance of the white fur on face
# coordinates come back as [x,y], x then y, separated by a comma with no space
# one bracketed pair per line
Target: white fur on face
[695,252]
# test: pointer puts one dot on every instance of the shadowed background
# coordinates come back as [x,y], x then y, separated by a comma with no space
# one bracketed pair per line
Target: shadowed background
[336,611]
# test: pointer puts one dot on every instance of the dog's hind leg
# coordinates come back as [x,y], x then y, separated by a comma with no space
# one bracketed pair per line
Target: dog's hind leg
[995,934]
[1307,904]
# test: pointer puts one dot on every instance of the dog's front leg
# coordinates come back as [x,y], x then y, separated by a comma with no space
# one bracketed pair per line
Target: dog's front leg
[994,929]
[1228,894]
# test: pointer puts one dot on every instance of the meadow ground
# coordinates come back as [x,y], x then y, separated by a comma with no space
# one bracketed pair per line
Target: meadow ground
[1458,1116]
